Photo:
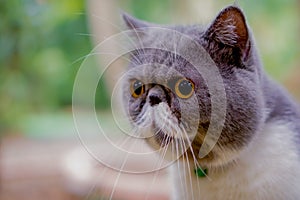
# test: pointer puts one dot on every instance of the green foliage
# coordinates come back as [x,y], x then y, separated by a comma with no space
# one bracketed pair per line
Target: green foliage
[154,9]
[276,28]
[40,40]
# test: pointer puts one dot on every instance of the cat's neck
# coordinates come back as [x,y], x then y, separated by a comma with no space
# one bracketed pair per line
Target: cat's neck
[257,166]
[279,106]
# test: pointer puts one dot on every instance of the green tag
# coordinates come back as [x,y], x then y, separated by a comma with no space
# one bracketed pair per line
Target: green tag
[200,172]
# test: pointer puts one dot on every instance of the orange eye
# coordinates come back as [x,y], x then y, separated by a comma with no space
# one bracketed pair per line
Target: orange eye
[184,88]
[137,88]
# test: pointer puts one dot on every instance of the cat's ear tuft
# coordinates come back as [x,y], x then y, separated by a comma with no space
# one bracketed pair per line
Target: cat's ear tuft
[229,28]
[133,23]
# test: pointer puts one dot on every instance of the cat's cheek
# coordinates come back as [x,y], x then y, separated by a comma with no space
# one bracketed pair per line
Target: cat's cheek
[133,110]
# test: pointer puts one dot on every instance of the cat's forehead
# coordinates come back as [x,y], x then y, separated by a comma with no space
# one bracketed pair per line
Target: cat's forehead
[160,65]
[154,73]
[168,37]
[165,53]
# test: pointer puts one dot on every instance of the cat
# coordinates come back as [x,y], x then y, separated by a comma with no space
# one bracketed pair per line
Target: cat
[257,155]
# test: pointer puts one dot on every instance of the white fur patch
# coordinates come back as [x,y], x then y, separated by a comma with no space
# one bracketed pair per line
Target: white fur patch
[268,169]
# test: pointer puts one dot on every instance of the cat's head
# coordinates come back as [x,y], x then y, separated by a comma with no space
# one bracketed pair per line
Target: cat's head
[167,96]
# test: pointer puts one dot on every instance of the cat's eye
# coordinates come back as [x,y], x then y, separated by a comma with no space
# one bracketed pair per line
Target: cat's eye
[184,88]
[137,88]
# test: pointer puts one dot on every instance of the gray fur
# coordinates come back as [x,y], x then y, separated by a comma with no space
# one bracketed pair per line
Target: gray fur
[253,99]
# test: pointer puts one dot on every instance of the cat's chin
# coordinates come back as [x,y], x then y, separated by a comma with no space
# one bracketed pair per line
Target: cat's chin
[167,145]
[217,159]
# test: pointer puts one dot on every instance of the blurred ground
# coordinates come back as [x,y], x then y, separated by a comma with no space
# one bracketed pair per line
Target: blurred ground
[31,169]
[54,166]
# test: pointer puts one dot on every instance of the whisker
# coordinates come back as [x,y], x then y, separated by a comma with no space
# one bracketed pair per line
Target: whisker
[189,169]
[178,165]
[157,171]
[193,154]
[120,29]
[91,193]
[86,34]
[196,163]
[119,173]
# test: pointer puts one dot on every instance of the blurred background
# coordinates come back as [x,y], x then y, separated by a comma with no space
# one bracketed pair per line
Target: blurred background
[42,45]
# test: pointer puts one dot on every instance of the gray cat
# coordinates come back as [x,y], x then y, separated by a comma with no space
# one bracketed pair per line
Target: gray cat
[257,153]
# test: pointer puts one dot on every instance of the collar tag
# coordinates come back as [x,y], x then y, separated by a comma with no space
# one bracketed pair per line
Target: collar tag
[200,172]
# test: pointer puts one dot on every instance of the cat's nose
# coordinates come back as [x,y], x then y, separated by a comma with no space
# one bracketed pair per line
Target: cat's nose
[155,95]
[154,99]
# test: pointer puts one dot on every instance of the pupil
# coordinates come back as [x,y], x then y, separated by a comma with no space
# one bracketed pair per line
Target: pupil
[185,87]
[137,86]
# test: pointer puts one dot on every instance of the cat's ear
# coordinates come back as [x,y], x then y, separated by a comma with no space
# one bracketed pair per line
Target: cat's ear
[133,23]
[230,29]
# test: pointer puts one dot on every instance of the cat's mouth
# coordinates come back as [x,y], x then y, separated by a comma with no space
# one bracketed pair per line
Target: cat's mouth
[162,138]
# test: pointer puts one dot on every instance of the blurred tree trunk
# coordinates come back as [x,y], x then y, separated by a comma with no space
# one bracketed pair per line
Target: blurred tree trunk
[194,11]
[104,21]
[298,18]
